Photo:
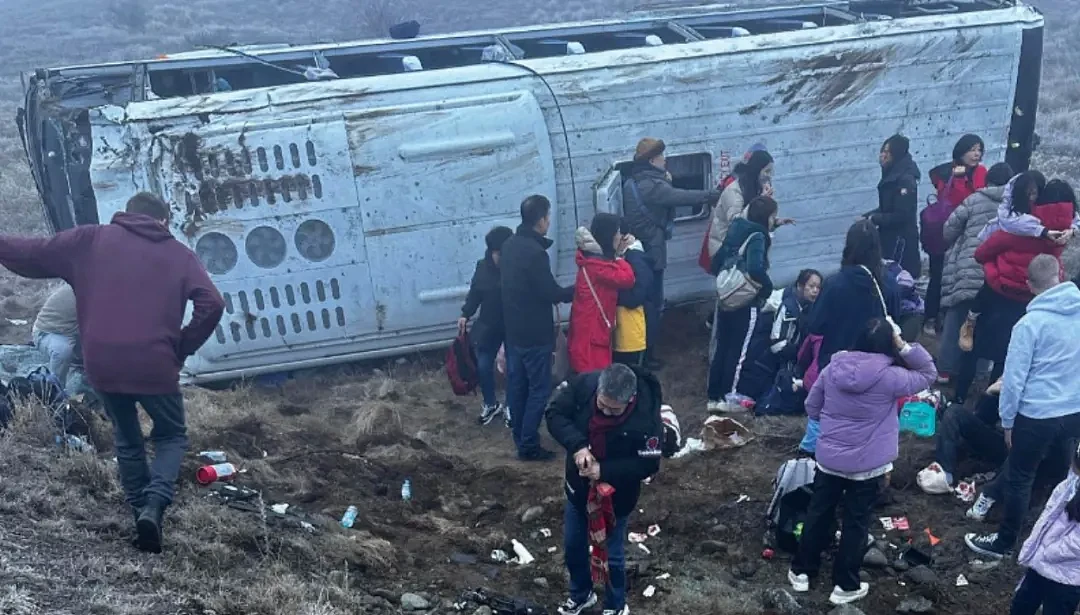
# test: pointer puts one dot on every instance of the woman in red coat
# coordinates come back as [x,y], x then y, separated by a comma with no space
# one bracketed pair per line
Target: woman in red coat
[602,273]
[953,182]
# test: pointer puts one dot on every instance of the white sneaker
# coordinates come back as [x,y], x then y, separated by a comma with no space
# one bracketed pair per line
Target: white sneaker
[625,611]
[840,596]
[932,480]
[980,508]
[799,582]
[570,607]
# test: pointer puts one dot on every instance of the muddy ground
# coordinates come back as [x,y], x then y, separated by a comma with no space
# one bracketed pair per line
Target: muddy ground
[325,440]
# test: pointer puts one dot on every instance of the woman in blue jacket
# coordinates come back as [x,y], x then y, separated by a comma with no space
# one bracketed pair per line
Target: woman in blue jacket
[732,330]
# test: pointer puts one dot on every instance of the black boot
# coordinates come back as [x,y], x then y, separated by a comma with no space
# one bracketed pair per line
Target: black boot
[148,526]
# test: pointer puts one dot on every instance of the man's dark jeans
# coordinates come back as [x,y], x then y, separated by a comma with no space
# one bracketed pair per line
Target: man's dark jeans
[528,387]
[576,545]
[857,497]
[1054,598]
[975,431]
[139,479]
[1032,440]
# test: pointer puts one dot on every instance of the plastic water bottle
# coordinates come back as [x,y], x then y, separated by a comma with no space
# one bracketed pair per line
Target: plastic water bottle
[349,517]
[406,490]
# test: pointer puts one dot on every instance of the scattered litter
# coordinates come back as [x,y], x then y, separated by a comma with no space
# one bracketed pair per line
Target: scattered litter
[546,533]
[552,549]
[767,553]
[406,490]
[649,592]
[349,517]
[965,491]
[280,508]
[961,581]
[692,445]
[523,556]
[18,322]
[644,548]
[214,456]
[637,537]
[74,443]
[664,577]
[721,432]
[895,523]
[307,526]
[742,498]
[498,555]
[647,481]
[934,540]
[654,530]
[210,474]
[980,566]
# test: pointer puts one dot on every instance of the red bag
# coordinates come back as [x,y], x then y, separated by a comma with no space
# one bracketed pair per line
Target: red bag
[461,366]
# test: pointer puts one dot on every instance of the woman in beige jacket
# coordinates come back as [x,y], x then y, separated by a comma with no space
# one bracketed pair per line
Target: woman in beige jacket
[753,178]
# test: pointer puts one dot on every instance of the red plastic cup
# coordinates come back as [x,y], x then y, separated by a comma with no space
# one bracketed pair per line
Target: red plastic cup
[214,473]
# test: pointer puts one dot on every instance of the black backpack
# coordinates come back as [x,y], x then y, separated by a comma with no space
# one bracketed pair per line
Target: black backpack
[792,490]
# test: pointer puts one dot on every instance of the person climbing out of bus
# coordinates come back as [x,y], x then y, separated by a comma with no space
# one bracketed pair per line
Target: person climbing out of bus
[56,331]
[631,334]
[962,276]
[954,182]
[855,402]
[602,273]
[615,431]
[649,202]
[747,242]
[896,217]
[529,292]
[488,332]
[133,281]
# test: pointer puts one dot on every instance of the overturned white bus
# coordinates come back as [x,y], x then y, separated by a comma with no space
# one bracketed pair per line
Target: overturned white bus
[339,194]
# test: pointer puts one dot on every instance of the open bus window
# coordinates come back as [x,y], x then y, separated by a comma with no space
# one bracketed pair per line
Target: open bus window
[688,172]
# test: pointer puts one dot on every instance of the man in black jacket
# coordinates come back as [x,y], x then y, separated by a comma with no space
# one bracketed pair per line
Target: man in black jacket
[898,202]
[610,424]
[529,291]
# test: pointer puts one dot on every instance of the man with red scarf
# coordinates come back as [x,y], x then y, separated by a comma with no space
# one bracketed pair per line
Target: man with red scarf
[611,426]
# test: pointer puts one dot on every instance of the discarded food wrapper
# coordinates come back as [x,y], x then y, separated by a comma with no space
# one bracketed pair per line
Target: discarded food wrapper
[307,526]
[664,577]
[644,548]
[523,556]
[692,445]
[965,491]
[498,555]
[280,508]
[210,474]
[552,549]
[18,322]
[546,533]
[654,530]
[895,523]
[637,537]
[961,581]
[649,592]
[721,432]
[742,498]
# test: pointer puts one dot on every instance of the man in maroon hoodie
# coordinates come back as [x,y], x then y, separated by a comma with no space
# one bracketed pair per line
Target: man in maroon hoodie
[132,283]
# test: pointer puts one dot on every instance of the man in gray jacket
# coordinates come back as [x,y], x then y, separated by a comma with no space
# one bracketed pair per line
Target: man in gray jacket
[649,202]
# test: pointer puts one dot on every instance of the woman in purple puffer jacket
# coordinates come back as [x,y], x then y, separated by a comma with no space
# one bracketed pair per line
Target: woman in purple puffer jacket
[855,401]
[1052,554]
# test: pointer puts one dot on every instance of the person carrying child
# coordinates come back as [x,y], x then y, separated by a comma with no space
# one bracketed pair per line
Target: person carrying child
[1052,554]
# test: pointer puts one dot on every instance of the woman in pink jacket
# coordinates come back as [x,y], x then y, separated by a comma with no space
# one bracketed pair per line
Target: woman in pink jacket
[1052,554]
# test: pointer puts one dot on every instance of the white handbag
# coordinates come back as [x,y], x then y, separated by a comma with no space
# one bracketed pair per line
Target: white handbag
[735,289]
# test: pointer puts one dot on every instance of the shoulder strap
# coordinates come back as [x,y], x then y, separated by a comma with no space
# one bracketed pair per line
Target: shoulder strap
[877,289]
[742,249]
[596,298]
[641,203]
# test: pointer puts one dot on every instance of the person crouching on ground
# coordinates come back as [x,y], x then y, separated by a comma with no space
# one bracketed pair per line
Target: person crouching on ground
[855,402]
[488,332]
[56,331]
[610,424]
[631,329]
[602,273]
[133,281]
[1052,554]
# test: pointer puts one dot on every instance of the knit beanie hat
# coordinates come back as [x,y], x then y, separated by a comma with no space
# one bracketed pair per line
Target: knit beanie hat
[648,148]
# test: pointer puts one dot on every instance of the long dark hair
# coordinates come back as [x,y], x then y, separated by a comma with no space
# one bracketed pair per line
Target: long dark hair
[862,247]
[877,338]
[1021,203]
[604,228]
[749,173]
[1073,507]
[1057,191]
